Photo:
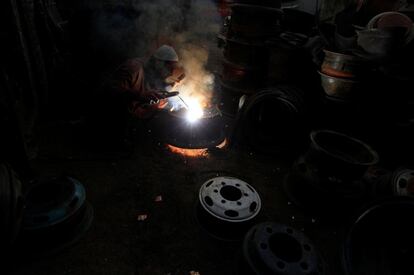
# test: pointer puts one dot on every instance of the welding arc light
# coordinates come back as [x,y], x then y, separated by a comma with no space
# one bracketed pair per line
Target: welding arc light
[194,110]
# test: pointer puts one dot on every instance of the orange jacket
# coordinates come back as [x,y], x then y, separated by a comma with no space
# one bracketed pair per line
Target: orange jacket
[129,79]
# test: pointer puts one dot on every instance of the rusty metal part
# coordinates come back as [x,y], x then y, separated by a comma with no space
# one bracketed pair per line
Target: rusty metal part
[342,65]
[252,21]
[272,248]
[380,240]
[227,207]
[338,155]
[338,87]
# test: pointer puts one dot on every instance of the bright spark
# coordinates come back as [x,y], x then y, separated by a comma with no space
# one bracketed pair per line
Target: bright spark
[194,110]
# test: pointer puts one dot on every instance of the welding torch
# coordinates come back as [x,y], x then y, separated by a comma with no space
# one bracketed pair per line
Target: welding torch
[162,95]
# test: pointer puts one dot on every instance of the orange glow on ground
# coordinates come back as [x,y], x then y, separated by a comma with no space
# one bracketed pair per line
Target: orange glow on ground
[193,153]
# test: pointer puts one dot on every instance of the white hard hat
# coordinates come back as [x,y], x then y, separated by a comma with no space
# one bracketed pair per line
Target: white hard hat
[166,53]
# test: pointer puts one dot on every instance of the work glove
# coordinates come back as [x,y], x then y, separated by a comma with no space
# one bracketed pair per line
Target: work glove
[154,100]
[149,103]
[150,98]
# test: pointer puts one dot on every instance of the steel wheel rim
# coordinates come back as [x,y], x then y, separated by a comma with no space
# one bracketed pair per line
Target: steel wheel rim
[234,201]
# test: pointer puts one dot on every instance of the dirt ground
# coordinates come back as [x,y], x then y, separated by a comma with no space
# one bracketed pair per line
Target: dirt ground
[170,241]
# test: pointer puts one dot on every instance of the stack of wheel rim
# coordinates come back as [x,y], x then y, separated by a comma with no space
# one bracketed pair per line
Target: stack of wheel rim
[56,215]
[341,76]
[227,207]
[11,205]
[246,53]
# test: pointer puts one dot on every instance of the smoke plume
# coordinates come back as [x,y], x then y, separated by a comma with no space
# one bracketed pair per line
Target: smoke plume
[137,28]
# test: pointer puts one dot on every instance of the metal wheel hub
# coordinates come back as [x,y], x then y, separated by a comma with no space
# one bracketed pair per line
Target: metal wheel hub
[229,199]
[403,182]
[271,248]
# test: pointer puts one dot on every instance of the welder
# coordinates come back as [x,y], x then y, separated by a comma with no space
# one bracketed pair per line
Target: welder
[143,84]
[136,89]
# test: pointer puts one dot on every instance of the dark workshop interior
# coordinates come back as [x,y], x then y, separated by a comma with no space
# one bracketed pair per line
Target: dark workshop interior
[207,137]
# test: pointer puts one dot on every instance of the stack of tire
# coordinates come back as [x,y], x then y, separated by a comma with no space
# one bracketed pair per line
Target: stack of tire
[246,54]
[11,206]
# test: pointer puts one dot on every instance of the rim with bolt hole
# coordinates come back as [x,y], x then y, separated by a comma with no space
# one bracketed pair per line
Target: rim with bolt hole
[403,182]
[229,199]
[272,248]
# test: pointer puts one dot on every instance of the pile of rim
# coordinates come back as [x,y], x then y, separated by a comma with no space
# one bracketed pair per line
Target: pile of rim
[246,54]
